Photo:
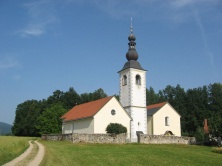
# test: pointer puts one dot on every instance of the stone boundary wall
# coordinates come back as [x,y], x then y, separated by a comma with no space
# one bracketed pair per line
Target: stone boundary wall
[87,138]
[161,139]
[57,137]
[119,139]
[99,138]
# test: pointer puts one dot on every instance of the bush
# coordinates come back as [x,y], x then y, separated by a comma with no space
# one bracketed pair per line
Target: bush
[200,136]
[116,128]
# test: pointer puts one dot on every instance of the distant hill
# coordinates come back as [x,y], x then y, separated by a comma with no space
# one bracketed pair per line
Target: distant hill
[5,128]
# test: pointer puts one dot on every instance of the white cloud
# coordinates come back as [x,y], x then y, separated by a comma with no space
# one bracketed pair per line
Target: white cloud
[8,62]
[201,27]
[41,15]
[184,3]
[125,8]
[171,10]
[33,30]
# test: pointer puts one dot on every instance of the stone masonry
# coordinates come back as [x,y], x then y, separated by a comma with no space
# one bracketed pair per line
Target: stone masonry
[87,138]
[161,139]
[118,139]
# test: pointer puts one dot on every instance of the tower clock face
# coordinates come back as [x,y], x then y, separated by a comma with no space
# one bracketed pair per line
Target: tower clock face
[113,112]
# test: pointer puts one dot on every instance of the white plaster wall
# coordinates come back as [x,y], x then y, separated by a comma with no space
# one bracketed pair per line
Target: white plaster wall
[138,103]
[159,127]
[139,122]
[79,126]
[138,92]
[104,117]
[84,126]
[149,125]
[124,89]
[133,94]
[67,127]
[133,99]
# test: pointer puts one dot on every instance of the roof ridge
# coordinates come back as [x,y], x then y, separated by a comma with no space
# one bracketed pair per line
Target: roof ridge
[156,105]
[86,110]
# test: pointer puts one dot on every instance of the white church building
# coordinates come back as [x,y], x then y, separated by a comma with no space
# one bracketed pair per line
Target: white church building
[131,111]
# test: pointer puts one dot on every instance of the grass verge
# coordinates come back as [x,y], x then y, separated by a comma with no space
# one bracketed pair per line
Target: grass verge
[67,153]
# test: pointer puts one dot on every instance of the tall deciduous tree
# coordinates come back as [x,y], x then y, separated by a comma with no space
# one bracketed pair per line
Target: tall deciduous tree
[196,108]
[179,103]
[151,96]
[25,118]
[57,97]
[49,121]
[71,98]
[215,106]
[87,97]
[98,94]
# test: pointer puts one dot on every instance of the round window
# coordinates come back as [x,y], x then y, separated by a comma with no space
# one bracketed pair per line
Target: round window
[113,112]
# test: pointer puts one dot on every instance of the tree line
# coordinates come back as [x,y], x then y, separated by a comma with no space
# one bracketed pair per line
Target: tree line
[34,117]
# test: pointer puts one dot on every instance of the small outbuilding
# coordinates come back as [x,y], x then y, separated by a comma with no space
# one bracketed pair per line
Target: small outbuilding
[93,117]
[163,119]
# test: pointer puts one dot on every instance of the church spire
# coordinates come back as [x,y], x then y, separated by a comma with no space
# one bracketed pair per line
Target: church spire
[131,26]
[132,54]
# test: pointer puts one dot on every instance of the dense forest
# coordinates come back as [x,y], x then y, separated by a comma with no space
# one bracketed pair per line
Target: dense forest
[34,117]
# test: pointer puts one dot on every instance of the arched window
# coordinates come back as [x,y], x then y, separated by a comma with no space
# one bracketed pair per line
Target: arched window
[138,79]
[167,121]
[124,81]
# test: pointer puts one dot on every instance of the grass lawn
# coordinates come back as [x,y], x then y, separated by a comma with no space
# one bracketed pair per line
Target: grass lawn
[67,153]
[12,147]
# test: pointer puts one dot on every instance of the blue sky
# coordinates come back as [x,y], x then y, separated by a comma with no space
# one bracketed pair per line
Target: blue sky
[47,45]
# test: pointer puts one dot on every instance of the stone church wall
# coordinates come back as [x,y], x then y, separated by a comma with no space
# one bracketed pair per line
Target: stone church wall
[160,139]
[87,138]
[99,138]
[119,139]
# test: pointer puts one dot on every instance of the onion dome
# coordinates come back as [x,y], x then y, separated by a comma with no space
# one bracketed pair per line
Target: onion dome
[132,54]
[132,37]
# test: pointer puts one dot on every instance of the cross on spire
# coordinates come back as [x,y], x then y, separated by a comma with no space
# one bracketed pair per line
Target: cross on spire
[131,26]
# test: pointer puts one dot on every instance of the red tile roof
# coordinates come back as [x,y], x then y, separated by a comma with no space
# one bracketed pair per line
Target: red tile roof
[156,105]
[85,110]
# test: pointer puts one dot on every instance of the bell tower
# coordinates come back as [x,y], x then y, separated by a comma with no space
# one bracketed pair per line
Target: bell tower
[133,89]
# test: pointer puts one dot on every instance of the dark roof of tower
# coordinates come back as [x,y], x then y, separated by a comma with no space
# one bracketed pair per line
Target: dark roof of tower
[132,64]
[132,54]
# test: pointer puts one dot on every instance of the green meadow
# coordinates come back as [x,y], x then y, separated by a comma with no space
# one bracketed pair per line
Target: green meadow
[67,153]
